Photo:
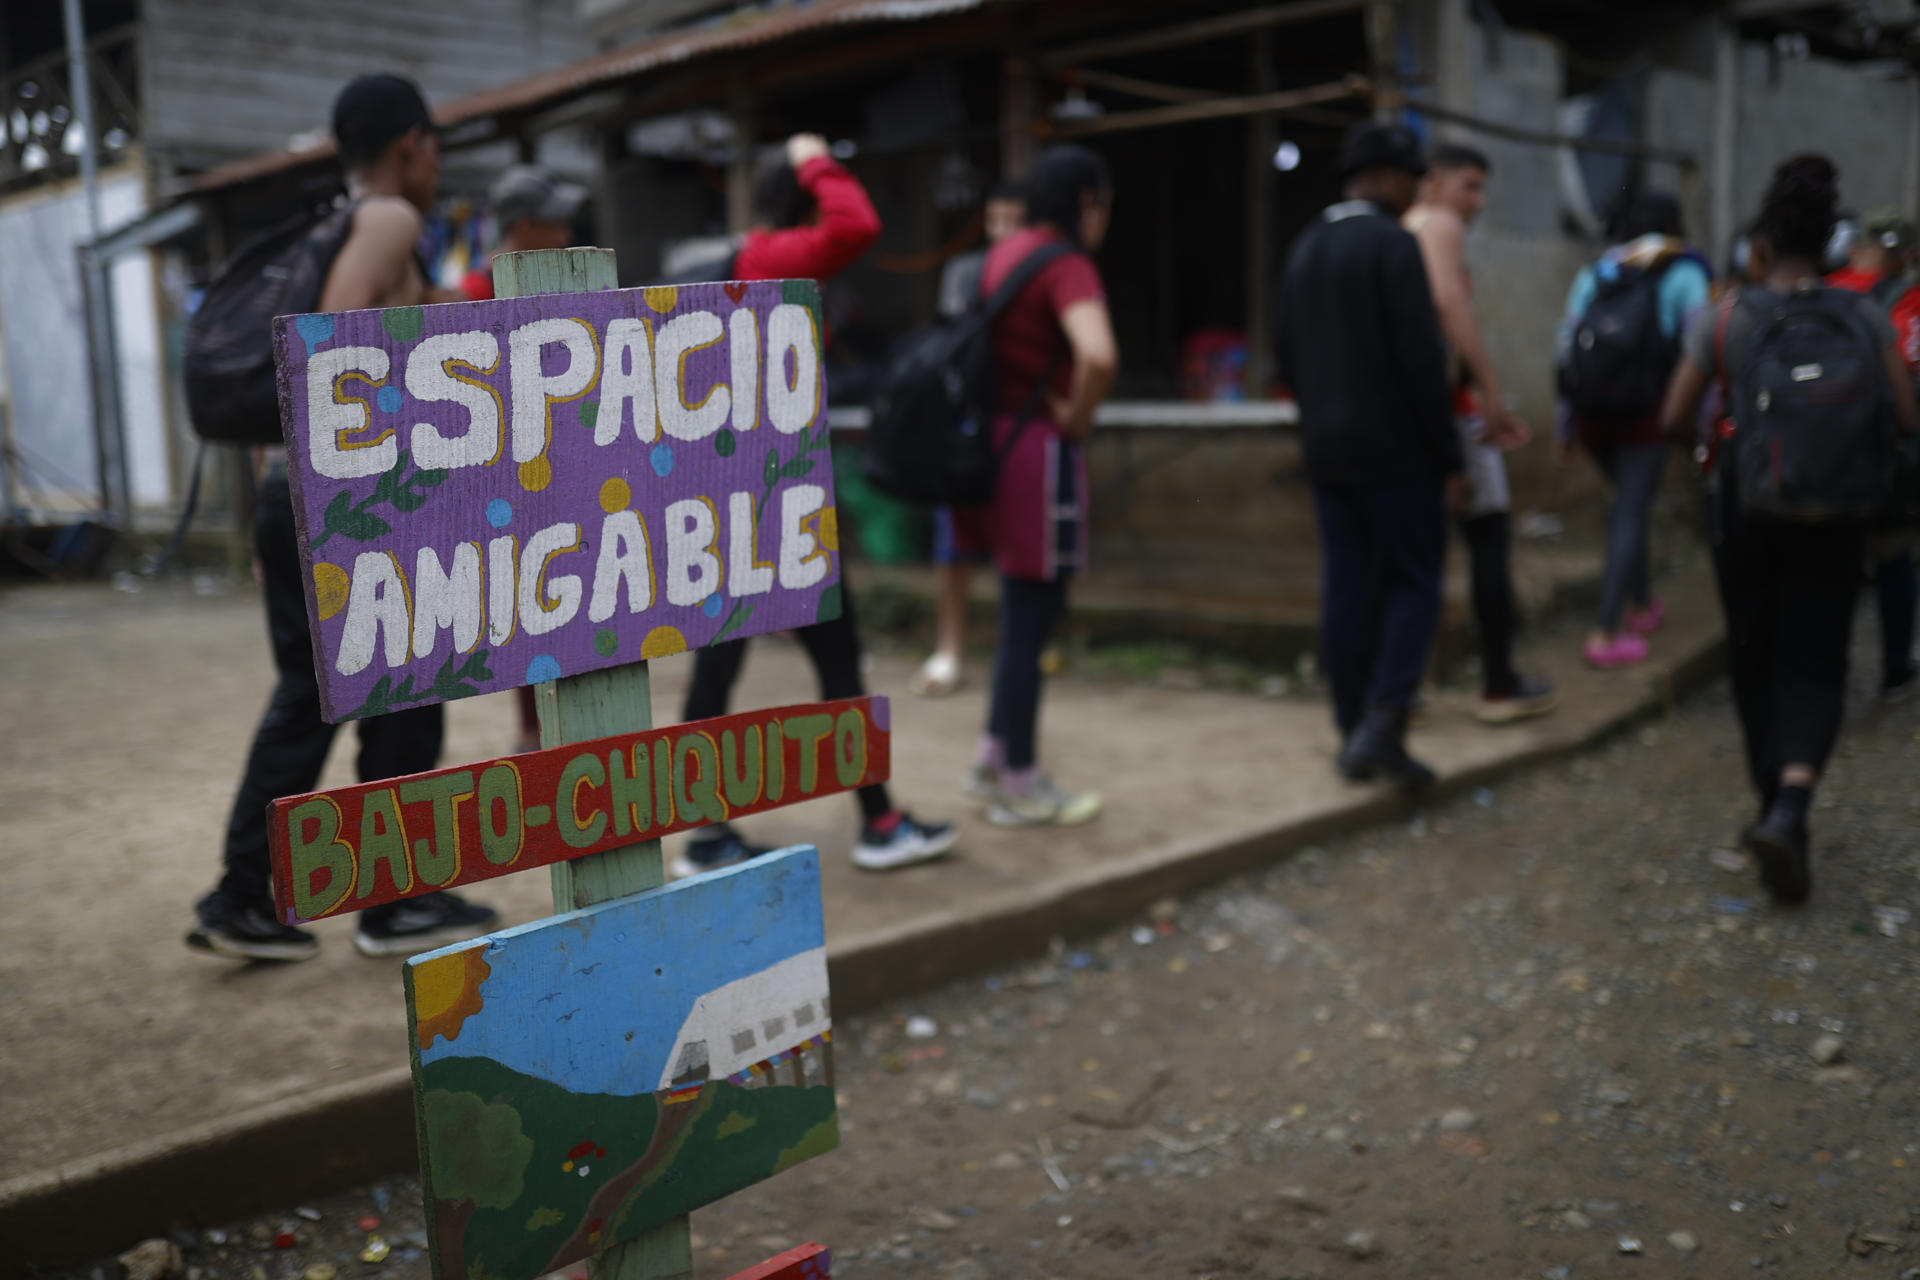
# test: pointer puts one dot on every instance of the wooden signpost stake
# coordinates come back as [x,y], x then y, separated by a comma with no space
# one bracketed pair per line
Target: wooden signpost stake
[549,489]
[593,705]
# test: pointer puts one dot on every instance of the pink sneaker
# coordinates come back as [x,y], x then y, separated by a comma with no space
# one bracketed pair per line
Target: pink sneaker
[1644,622]
[1623,651]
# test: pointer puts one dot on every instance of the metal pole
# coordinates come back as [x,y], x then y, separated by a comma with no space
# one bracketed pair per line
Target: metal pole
[115,481]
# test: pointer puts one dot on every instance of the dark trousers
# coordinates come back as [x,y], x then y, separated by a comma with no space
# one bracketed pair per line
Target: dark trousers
[1489,540]
[833,648]
[1634,471]
[290,746]
[1788,592]
[1896,589]
[1030,610]
[1382,551]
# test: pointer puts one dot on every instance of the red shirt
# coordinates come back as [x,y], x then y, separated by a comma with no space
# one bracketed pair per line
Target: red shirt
[1027,336]
[1903,312]
[477,284]
[846,228]
[1854,279]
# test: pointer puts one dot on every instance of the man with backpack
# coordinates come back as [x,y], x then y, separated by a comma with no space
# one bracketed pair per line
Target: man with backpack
[1878,259]
[1451,197]
[362,255]
[1619,341]
[1818,394]
[1357,339]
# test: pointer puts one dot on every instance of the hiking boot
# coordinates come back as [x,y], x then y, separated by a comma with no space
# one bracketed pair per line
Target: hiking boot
[906,843]
[1377,749]
[1780,843]
[715,847]
[421,924]
[1527,698]
[1043,804]
[248,933]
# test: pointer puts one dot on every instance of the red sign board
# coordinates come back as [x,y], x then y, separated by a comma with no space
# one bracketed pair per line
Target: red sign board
[357,847]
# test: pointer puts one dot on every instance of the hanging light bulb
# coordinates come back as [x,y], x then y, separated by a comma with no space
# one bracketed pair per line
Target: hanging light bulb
[1287,157]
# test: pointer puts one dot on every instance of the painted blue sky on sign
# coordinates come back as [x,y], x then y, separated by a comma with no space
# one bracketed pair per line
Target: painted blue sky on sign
[594,1000]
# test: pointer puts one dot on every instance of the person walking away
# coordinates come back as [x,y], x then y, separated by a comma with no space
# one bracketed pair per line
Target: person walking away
[1817,388]
[1450,197]
[940,674]
[1054,361]
[392,159]
[813,219]
[1358,340]
[1618,343]
[1877,265]
[532,208]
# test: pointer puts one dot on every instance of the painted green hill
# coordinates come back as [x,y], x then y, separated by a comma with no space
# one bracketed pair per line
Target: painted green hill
[523,1175]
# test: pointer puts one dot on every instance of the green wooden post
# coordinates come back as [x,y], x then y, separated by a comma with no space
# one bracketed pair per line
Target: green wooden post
[576,708]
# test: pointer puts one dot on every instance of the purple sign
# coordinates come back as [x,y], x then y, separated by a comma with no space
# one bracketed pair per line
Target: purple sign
[493,494]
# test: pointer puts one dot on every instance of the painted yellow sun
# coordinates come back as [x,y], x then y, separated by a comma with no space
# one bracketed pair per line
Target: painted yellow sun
[446,992]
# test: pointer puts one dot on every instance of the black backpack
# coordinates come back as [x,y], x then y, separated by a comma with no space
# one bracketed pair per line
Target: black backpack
[1618,363]
[232,397]
[1814,436]
[931,439]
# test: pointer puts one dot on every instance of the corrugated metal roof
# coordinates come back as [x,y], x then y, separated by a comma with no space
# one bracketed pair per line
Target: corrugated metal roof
[737,30]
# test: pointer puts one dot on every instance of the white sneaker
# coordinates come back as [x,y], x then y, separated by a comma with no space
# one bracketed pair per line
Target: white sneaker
[909,842]
[982,782]
[937,677]
[1044,805]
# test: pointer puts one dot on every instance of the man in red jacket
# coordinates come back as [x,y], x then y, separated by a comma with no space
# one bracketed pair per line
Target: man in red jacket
[813,219]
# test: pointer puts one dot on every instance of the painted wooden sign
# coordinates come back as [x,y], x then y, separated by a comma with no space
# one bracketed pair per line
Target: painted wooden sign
[590,1076]
[359,846]
[808,1262]
[493,494]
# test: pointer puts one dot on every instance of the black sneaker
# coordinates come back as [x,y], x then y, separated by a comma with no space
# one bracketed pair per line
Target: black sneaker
[248,933]
[714,847]
[907,843]
[1527,698]
[1779,843]
[421,924]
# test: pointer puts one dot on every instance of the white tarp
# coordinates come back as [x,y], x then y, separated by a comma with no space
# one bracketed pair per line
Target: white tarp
[43,331]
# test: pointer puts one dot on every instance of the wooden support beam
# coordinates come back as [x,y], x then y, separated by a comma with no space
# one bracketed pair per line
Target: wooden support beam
[742,110]
[1262,139]
[1233,24]
[1152,90]
[1352,86]
[593,705]
[1383,54]
[1546,138]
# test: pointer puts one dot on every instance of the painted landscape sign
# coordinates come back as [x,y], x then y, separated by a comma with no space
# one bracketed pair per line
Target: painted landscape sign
[583,1079]
[355,847]
[494,494]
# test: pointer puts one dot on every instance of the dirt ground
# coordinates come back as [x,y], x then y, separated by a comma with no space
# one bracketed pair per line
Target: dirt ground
[138,706]
[1552,1030]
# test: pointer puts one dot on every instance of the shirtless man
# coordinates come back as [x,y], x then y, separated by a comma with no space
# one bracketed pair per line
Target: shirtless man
[1451,196]
[392,158]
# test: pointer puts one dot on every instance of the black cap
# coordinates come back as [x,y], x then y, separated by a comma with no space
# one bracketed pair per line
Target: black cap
[1373,144]
[374,110]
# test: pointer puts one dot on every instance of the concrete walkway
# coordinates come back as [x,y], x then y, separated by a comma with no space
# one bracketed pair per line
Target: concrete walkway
[143,1082]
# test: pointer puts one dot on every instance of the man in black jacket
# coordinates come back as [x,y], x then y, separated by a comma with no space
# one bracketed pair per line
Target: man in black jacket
[1358,341]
